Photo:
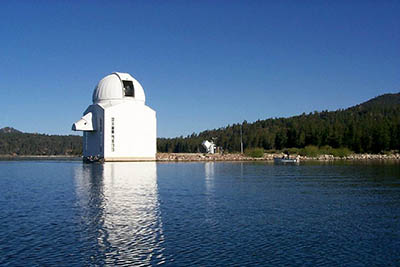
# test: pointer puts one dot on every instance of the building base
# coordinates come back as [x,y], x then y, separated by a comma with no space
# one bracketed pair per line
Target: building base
[93,159]
[122,159]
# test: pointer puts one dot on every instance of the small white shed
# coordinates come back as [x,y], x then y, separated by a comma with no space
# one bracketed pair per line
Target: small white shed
[209,146]
[118,126]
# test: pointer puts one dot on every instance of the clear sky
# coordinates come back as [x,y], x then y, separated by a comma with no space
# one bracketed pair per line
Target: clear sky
[203,64]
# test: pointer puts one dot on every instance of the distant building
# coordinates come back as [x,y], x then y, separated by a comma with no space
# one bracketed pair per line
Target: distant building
[118,126]
[209,146]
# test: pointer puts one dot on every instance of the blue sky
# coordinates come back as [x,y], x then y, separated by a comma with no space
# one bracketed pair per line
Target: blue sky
[203,64]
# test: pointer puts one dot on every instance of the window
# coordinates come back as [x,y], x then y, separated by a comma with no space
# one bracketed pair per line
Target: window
[128,88]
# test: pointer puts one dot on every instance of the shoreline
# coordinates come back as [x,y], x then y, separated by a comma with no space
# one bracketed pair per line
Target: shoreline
[40,157]
[192,157]
[189,157]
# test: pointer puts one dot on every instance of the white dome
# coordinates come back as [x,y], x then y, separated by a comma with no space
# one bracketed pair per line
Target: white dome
[118,86]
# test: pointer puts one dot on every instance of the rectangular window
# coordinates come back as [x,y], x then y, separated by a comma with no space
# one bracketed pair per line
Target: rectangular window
[128,88]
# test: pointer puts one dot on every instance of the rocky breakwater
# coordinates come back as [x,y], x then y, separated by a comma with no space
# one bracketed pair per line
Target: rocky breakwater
[354,157]
[209,157]
[373,157]
[267,157]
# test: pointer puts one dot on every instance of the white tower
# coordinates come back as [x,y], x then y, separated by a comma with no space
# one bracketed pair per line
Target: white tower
[118,126]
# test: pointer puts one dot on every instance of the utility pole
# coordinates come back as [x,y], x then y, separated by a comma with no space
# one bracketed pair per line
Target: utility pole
[241,139]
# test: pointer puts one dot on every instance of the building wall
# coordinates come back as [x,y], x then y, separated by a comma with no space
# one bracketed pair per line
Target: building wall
[93,142]
[129,132]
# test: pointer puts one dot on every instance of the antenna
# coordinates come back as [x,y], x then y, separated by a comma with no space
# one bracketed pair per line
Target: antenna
[241,139]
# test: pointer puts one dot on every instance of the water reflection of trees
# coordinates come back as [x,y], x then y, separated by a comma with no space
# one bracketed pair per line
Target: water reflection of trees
[120,214]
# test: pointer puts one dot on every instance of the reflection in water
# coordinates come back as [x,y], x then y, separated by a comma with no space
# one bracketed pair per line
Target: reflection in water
[209,173]
[209,168]
[213,214]
[120,210]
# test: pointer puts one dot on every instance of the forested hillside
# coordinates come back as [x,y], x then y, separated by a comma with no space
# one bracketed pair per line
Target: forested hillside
[14,142]
[371,127]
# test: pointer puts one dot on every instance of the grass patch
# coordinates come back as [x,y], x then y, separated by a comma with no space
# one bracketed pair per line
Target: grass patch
[310,151]
[341,152]
[292,151]
[254,152]
[314,151]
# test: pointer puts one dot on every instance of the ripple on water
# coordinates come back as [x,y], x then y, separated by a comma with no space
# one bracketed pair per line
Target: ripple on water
[204,214]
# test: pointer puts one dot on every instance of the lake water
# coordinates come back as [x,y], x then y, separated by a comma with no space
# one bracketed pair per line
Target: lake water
[67,213]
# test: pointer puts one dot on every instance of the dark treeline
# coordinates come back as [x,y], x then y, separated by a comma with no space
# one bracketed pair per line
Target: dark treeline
[371,127]
[13,142]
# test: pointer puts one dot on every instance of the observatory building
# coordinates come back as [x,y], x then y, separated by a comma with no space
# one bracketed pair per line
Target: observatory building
[118,126]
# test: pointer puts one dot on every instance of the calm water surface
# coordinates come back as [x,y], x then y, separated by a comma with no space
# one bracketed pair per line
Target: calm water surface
[232,214]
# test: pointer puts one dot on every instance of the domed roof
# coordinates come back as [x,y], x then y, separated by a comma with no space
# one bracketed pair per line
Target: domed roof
[118,86]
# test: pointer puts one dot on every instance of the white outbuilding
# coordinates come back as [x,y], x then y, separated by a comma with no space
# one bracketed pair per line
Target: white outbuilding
[118,126]
[209,146]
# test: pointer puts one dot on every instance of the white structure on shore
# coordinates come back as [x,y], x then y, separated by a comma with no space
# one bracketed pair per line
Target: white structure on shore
[209,146]
[118,126]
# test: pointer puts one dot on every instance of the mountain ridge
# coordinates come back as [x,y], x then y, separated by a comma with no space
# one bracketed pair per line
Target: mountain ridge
[382,101]
[9,130]
[371,126]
